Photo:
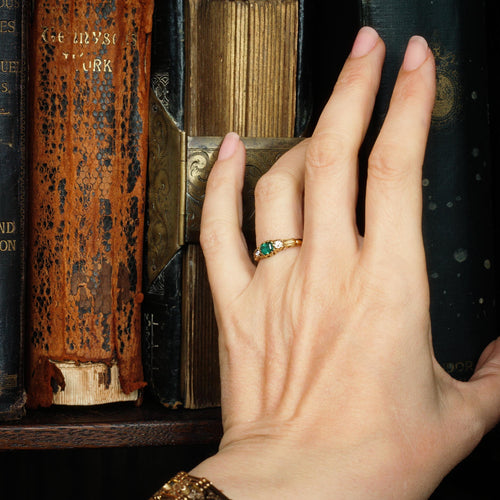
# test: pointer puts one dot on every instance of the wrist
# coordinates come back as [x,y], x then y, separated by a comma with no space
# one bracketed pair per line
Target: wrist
[247,471]
[259,471]
[263,469]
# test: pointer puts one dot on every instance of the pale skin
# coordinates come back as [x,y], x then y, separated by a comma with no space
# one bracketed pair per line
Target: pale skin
[330,388]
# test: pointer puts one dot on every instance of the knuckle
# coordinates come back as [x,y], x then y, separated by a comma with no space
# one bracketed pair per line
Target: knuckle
[473,424]
[214,234]
[271,186]
[327,149]
[219,180]
[378,286]
[354,78]
[383,166]
[408,91]
[293,156]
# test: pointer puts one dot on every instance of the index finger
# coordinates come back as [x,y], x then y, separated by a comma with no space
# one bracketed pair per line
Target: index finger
[221,237]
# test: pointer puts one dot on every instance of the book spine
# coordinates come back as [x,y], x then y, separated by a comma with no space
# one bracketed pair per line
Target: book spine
[12,175]
[204,98]
[492,15]
[457,197]
[168,58]
[162,325]
[89,85]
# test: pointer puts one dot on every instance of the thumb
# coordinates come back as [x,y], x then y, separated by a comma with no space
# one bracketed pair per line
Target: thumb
[485,385]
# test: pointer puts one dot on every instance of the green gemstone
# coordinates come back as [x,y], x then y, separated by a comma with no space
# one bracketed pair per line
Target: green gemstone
[266,248]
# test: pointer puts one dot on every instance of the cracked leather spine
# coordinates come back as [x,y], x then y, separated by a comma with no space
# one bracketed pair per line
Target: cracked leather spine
[89,73]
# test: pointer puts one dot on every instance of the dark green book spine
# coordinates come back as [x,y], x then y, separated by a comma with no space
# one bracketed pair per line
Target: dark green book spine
[12,169]
[457,196]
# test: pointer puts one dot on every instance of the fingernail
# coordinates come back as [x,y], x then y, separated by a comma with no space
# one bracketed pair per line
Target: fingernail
[416,53]
[228,146]
[365,41]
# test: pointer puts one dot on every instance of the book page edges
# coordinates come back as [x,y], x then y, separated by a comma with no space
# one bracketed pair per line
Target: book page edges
[90,384]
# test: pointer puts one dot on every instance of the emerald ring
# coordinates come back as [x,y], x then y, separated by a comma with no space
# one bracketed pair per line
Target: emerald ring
[272,247]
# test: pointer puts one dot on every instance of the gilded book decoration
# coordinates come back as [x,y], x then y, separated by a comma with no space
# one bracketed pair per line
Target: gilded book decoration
[218,65]
[89,66]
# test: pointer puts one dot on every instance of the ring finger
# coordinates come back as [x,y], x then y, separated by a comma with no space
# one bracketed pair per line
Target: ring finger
[279,198]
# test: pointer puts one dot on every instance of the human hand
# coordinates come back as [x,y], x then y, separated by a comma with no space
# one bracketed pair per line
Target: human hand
[330,388]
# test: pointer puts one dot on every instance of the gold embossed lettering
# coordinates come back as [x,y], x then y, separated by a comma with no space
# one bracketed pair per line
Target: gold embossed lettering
[9,4]
[107,66]
[98,66]
[132,39]
[7,26]
[7,245]
[459,367]
[7,381]
[7,227]
[4,87]
[9,66]
[51,35]
[82,38]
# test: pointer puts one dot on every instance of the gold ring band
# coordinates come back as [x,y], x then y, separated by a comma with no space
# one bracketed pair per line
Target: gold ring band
[272,247]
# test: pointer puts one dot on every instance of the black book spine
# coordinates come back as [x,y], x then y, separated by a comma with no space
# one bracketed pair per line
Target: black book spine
[162,307]
[12,174]
[457,197]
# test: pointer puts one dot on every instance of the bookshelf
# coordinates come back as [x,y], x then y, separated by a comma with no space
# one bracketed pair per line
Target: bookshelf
[151,426]
[111,426]
[126,426]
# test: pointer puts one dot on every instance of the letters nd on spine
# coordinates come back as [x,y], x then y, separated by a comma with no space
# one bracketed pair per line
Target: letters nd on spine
[89,79]
[457,197]
[12,206]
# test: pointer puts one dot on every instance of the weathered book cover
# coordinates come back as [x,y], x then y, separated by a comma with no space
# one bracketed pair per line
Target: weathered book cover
[12,174]
[457,218]
[217,65]
[89,84]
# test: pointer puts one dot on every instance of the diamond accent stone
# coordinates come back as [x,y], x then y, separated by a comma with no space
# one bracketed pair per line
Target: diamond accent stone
[278,244]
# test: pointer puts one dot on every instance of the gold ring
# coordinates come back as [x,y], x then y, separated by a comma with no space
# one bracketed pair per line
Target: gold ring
[272,247]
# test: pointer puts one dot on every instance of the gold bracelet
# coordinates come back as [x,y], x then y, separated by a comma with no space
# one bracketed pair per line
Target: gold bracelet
[186,487]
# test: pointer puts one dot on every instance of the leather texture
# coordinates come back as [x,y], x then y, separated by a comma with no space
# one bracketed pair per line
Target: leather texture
[89,77]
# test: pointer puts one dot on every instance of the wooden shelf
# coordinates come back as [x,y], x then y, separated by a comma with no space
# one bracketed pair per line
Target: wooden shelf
[117,425]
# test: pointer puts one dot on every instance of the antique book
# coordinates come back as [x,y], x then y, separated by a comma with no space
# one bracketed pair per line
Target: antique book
[457,191]
[12,206]
[217,66]
[89,82]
